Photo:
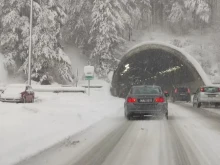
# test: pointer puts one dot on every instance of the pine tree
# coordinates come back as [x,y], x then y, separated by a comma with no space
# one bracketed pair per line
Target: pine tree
[146,12]
[106,24]
[48,56]
[176,14]
[15,28]
[79,22]
[199,8]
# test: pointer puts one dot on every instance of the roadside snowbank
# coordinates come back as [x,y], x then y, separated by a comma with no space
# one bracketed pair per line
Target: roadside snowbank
[26,129]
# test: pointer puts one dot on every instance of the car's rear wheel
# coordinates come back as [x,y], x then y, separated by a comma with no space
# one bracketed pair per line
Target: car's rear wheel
[167,116]
[199,104]
[217,105]
[127,116]
[194,104]
[174,100]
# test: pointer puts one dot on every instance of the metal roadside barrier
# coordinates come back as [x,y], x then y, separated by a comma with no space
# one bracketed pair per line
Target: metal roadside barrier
[93,86]
[55,89]
[59,89]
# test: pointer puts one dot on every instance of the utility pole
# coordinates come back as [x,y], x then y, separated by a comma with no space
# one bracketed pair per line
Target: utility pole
[30,44]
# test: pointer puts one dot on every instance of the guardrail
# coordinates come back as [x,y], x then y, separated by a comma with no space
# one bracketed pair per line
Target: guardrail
[55,89]
[92,86]
[59,89]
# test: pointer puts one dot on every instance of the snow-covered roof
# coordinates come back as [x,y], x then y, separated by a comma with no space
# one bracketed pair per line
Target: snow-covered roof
[184,54]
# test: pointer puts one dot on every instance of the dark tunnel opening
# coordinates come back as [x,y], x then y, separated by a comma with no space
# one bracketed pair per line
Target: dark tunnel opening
[154,66]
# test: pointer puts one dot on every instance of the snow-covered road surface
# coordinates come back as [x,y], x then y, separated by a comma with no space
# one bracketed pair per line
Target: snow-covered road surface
[26,129]
[190,137]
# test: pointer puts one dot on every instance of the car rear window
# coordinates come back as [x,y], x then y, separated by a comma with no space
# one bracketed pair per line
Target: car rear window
[211,89]
[145,90]
[182,89]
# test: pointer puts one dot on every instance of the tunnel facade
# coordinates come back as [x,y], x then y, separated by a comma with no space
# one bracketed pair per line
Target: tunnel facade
[157,64]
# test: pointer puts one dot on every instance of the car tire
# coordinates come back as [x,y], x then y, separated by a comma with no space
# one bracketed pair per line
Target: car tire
[174,100]
[199,104]
[194,104]
[128,117]
[167,116]
[216,105]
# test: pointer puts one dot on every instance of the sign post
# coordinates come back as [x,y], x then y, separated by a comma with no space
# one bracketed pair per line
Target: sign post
[89,75]
[89,87]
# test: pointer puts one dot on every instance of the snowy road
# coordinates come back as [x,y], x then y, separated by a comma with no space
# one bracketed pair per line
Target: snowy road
[190,137]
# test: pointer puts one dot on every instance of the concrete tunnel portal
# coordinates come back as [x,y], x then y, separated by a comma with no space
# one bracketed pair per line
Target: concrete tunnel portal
[157,64]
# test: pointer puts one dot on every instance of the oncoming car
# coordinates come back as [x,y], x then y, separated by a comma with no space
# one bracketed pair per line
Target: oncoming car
[146,101]
[18,93]
[207,95]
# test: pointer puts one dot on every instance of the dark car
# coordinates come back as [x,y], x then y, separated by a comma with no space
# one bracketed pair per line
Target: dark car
[181,94]
[146,101]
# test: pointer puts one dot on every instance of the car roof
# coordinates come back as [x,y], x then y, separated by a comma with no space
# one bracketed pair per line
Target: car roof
[212,86]
[146,86]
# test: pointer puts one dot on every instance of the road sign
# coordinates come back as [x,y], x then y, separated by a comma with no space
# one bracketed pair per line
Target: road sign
[89,75]
[89,72]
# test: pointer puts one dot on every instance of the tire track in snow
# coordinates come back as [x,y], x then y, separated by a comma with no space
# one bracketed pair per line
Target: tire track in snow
[98,154]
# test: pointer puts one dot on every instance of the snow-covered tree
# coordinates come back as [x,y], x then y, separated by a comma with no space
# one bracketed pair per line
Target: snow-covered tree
[106,24]
[145,17]
[48,56]
[14,31]
[176,14]
[78,24]
[199,8]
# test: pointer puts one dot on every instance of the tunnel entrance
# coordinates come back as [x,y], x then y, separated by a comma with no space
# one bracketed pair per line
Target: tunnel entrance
[157,64]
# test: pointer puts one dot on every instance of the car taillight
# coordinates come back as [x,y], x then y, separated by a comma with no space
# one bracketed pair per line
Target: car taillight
[202,89]
[188,90]
[159,100]
[131,100]
[176,90]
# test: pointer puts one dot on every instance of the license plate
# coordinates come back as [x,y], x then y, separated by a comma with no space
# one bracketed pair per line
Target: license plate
[145,100]
[182,94]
